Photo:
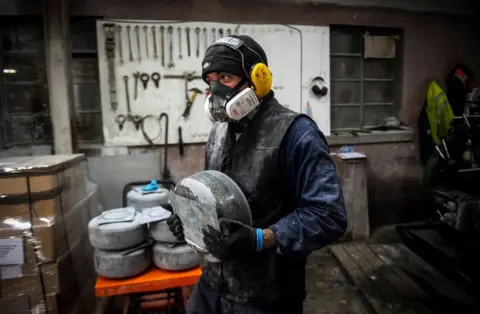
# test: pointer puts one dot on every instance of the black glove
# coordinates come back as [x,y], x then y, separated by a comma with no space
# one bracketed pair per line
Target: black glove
[175,225]
[236,239]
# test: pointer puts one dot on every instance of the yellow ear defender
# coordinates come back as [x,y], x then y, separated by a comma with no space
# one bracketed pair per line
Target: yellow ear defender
[260,75]
[261,79]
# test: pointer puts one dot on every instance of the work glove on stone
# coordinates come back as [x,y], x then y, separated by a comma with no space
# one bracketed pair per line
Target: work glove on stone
[175,225]
[234,241]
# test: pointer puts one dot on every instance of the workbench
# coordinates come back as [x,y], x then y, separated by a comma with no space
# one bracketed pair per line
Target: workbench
[359,277]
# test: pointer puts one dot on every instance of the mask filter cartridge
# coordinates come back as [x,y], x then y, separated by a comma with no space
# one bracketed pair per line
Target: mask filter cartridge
[235,108]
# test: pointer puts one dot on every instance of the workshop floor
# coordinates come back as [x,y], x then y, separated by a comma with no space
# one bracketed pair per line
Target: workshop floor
[329,290]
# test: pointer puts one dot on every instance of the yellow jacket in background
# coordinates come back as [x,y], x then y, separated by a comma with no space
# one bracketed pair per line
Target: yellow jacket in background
[439,112]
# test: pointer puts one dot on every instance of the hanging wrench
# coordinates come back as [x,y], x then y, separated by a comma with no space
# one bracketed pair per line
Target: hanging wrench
[197,32]
[170,35]
[179,31]
[187,31]
[145,29]
[137,30]
[125,79]
[154,34]
[229,32]
[220,31]
[136,76]
[129,44]
[120,46]
[214,34]
[205,38]
[162,43]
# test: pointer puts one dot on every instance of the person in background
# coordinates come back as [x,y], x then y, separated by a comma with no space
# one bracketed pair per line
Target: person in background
[281,161]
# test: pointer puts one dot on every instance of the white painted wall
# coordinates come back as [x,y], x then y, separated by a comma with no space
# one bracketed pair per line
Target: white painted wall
[295,55]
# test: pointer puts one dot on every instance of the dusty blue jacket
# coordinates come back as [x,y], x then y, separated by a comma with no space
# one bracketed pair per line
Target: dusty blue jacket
[309,172]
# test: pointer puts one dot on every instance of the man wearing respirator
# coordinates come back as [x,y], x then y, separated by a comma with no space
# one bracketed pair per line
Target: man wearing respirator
[281,161]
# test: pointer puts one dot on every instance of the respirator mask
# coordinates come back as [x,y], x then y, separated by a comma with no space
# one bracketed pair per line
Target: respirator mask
[226,103]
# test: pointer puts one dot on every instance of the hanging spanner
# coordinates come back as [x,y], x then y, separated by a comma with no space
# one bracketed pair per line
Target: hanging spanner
[197,33]
[121,119]
[154,35]
[179,31]
[136,76]
[220,32]
[156,79]
[229,32]
[127,95]
[144,78]
[137,31]
[162,43]
[205,38]
[145,30]
[187,31]
[214,34]
[120,46]
[129,44]
[170,48]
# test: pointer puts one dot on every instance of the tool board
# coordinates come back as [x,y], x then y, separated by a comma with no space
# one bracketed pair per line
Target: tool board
[146,62]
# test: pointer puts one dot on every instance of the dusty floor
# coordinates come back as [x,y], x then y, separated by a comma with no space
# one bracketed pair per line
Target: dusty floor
[329,290]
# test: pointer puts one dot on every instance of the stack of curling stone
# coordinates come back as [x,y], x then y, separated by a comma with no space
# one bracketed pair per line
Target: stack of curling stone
[147,196]
[168,252]
[120,239]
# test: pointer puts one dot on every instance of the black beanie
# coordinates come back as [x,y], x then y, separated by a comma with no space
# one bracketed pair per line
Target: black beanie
[225,59]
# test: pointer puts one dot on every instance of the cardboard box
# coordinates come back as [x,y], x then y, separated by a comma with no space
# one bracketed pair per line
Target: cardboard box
[72,269]
[45,207]
[38,203]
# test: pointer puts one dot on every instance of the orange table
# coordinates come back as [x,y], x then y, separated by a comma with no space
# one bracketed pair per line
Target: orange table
[151,281]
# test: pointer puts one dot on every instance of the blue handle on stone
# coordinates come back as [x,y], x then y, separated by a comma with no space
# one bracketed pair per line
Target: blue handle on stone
[152,186]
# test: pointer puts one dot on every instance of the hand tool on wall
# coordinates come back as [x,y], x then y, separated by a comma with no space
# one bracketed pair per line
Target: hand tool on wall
[179,31]
[150,139]
[188,76]
[162,44]
[120,120]
[120,46]
[156,79]
[180,141]
[109,31]
[197,33]
[220,32]
[154,35]
[195,91]
[166,173]
[144,78]
[137,31]
[145,30]
[170,48]
[127,94]
[229,32]
[187,32]
[136,76]
[136,119]
[130,53]
[214,34]
[205,38]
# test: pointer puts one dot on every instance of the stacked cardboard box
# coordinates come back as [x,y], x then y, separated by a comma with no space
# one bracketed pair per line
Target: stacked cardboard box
[45,257]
